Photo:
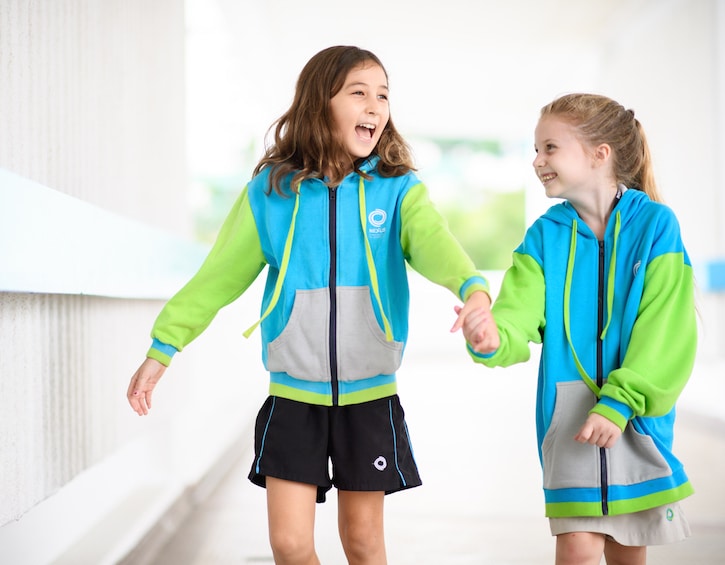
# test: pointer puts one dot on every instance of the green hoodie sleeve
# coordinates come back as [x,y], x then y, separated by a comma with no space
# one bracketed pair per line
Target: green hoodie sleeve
[432,250]
[518,312]
[235,260]
[661,352]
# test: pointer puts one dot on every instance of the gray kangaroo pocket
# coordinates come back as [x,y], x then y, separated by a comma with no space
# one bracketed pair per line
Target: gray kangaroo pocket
[302,349]
[570,464]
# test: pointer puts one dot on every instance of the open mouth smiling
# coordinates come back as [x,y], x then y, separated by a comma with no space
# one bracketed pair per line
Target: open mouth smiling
[365,131]
[547,177]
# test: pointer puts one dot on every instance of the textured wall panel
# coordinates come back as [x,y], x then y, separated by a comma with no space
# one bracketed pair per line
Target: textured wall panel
[91,105]
[63,369]
[92,102]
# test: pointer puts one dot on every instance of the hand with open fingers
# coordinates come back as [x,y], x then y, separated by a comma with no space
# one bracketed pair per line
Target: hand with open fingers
[478,325]
[142,385]
[599,431]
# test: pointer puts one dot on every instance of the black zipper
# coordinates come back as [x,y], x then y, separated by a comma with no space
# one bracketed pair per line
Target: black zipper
[600,373]
[333,295]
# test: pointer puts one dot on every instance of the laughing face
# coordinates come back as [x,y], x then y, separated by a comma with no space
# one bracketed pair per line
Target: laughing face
[563,164]
[360,109]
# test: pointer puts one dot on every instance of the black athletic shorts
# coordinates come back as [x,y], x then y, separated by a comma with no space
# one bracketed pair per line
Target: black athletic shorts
[367,445]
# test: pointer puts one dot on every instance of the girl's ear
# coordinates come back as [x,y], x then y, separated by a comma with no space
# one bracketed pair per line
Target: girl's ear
[602,153]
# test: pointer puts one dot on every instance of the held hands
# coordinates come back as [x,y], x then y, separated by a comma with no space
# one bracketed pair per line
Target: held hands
[476,320]
[142,385]
[598,431]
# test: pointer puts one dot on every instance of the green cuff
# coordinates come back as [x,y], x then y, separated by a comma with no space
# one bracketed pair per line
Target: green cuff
[162,358]
[610,414]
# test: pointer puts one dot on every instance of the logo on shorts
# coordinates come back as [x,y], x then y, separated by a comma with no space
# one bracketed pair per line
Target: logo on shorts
[670,514]
[380,463]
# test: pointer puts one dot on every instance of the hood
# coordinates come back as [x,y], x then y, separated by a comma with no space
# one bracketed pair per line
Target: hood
[629,205]
[369,165]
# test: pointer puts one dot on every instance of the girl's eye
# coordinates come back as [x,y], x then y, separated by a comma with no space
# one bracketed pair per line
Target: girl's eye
[383,96]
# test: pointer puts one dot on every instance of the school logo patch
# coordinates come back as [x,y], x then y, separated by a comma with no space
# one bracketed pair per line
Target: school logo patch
[377,218]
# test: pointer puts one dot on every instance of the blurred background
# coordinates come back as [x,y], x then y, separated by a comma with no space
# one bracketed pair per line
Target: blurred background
[128,127]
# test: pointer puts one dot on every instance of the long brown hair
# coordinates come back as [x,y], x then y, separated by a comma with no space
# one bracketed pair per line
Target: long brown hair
[598,120]
[304,141]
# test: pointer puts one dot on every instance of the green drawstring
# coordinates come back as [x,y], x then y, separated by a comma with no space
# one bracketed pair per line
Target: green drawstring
[610,296]
[567,296]
[610,279]
[282,268]
[371,264]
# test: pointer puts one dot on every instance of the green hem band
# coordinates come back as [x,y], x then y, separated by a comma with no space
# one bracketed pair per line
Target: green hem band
[368,394]
[283,391]
[617,507]
[345,399]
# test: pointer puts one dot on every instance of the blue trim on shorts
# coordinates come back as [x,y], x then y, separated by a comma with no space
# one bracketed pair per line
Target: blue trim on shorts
[395,442]
[264,436]
[410,443]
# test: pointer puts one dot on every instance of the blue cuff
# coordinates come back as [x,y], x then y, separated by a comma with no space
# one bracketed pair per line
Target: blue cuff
[479,355]
[478,281]
[164,348]
[161,351]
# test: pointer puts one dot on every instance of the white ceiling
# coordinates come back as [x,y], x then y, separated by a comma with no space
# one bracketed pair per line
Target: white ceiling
[457,68]
[507,55]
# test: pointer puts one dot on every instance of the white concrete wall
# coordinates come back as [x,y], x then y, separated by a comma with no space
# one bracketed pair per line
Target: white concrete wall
[92,98]
[92,161]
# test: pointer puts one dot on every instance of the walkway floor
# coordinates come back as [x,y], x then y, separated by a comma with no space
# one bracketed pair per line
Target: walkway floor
[484,507]
[481,501]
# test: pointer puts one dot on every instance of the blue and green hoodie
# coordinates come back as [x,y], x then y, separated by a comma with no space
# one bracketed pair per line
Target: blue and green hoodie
[617,323]
[334,316]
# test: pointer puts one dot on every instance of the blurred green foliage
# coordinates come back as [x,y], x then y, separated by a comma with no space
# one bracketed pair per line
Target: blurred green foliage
[490,231]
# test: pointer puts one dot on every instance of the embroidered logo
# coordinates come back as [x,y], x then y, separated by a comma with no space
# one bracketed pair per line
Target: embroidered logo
[670,514]
[637,265]
[380,463]
[377,218]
